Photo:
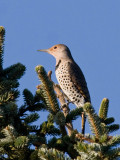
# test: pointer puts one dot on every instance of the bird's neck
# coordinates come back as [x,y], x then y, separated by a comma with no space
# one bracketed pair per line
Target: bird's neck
[59,61]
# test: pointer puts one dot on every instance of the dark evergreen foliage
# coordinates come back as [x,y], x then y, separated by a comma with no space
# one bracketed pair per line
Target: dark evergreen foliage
[22,139]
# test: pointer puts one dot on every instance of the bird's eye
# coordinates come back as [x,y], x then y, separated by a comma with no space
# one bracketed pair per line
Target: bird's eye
[55,47]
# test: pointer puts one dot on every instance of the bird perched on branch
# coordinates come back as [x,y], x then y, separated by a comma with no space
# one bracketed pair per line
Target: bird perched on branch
[69,75]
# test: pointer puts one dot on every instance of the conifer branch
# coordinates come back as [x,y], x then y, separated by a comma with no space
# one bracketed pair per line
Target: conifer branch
[48,91]
[109,120]
[9,96]
[113,154]
[104,108]
[51,154]
[28,97]
[14,72]
[17,133]
[21,142]
[31,118]
[9,83]
[84,138]
[74,114]
[64,105]
[113,127]
[48,128]
[93,119]
[114,141]
[9,134]
[49,94]
[31,103]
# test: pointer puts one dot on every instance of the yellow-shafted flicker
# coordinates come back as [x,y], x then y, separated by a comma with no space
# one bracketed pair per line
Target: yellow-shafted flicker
[70,77]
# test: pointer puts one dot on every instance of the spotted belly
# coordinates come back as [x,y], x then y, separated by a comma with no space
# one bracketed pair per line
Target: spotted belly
[68,87]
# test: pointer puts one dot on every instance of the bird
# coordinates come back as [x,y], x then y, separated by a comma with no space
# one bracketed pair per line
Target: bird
[69,75]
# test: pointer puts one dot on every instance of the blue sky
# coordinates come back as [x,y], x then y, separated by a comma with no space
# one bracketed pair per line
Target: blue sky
[90,28]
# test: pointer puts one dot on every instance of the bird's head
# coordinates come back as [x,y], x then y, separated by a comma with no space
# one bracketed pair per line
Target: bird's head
[59,51]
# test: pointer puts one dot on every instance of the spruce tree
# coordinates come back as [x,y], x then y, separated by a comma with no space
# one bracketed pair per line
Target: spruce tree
[21,139]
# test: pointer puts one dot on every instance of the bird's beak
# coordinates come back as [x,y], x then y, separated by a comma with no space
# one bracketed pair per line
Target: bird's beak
[43,50]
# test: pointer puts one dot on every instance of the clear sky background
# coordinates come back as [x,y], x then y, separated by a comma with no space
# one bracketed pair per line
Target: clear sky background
[90,28]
